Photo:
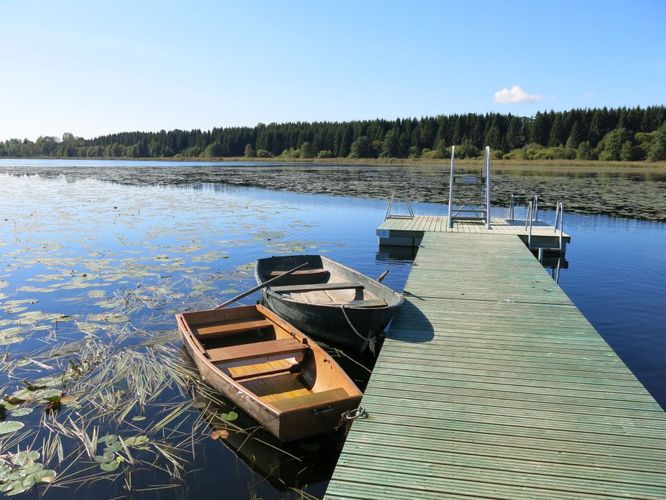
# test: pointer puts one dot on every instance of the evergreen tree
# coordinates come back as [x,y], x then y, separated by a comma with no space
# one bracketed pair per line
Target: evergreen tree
[575,136]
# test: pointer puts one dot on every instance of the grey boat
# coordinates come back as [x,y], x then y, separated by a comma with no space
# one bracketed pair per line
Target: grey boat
[328,300]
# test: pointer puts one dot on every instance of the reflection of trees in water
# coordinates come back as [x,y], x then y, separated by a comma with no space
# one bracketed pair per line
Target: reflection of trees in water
[628,195]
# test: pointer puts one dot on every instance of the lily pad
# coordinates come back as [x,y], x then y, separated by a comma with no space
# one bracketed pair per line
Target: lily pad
[109,466]
[21,412]
[219,434]
[108,439]
[137,441]
[10,426]
[229,417]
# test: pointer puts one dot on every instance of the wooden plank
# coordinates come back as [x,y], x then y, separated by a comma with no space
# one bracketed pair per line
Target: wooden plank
[317,287]
[491,383]
[212,330]
[311,400]
[269,348]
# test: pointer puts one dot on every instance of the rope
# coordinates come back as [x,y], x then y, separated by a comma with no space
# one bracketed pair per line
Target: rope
[370,340]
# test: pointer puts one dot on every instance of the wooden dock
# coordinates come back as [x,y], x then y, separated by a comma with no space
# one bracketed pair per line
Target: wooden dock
[408,231]
[492,384]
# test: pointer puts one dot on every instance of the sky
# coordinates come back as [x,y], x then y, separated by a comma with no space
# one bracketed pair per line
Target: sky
[94,68]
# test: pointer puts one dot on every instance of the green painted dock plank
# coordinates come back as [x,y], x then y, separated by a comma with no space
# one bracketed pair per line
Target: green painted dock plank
[492,384]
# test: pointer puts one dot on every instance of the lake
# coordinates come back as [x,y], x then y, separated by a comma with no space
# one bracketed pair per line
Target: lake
[96,257]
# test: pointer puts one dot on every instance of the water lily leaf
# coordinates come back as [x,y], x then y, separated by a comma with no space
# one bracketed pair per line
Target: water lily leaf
[33,468]
[109,317]
[4,403]
[137,441]
[113,447]
[66,400]
[21,412]
[45,476]
[15,488]
[48,381]
[229,417]
[219,434]
[28,481]
[10,426]
[108,439]
[109,466]
[24,457]
[50,395]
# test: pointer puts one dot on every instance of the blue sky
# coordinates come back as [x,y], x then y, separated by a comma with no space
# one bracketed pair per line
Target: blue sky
[92,68]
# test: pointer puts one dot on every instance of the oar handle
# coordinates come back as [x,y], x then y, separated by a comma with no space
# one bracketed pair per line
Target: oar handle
[259,287]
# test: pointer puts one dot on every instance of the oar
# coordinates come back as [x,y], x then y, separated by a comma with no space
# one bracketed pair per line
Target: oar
[382,276]
[259,287]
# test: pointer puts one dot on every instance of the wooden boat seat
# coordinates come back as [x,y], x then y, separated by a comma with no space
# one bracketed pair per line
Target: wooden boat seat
[312,400]
[213,330]
[317,273]
[369,303]
[317,287]
[272,349]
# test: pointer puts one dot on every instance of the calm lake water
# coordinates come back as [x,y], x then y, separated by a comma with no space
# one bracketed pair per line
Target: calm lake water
[92,271]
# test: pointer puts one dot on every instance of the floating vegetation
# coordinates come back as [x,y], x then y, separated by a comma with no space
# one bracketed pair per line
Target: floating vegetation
[93,381]
[10,426]
[20,471]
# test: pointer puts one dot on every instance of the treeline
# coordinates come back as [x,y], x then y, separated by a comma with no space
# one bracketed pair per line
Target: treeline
[628,134]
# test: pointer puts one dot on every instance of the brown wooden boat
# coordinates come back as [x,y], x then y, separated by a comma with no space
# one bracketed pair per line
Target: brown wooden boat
[275,373]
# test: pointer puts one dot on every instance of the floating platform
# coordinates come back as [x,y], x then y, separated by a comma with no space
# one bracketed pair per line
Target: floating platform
[492,384]
[409,231]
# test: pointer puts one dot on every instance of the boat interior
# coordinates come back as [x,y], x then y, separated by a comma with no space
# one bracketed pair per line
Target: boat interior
[279,368]
[316,285]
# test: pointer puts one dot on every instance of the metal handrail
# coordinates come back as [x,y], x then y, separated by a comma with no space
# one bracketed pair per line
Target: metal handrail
[487,174]
[453,163]
[559,221]
[528,223]
[390,205]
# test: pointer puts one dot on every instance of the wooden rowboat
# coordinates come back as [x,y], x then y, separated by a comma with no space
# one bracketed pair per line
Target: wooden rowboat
[276,374]
[328,300]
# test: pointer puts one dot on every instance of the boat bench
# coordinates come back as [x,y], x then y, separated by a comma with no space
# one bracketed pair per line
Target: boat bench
[312,400]
[316,287]
[214,330]
[302,272]
[258,351]
[366,303]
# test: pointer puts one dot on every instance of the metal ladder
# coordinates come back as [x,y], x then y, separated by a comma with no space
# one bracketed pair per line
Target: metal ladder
[558,226]
[469,194]
[389,208]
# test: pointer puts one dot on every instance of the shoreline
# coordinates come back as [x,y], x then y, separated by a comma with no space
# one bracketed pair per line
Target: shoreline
[552,166]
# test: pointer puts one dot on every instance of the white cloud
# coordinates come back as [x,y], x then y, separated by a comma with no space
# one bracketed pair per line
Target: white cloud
[516,94]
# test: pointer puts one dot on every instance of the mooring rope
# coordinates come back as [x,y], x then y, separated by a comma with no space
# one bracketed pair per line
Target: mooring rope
[370,340]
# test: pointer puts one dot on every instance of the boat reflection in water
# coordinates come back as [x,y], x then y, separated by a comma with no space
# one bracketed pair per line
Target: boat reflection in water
[286,466]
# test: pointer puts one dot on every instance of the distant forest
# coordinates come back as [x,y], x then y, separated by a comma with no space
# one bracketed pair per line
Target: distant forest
[628,134]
